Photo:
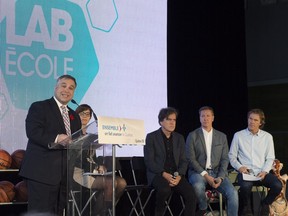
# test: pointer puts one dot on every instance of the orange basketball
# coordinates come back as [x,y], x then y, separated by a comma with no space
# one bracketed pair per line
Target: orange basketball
[5,159]
[3,196]
[8,187]
[21,192]
[17,157]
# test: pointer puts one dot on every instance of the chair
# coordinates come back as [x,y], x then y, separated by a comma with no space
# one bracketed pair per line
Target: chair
[81,199]
[257,188]
[136,184]
[213,196]
[139,174]
[139,200]
[75,204]
[168,205]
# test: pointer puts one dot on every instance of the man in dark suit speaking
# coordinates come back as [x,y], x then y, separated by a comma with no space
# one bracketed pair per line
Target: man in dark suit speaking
[49,121]
[207,152]
[164,155]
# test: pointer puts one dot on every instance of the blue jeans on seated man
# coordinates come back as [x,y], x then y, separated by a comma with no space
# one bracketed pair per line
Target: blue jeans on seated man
[226,188]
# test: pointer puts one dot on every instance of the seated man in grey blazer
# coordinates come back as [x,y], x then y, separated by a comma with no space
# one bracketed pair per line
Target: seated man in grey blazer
[207,152]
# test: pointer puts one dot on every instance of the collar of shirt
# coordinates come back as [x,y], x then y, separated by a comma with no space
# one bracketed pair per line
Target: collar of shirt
[250,133]
[206,133]
[59,105]
[165,137]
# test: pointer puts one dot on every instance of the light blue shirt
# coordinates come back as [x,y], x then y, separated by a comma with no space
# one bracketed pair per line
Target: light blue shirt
[254,151]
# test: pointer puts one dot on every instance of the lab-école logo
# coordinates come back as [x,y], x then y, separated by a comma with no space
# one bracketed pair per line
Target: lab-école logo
[41,40]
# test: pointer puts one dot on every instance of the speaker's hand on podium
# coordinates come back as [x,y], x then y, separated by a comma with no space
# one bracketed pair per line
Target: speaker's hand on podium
[63,139]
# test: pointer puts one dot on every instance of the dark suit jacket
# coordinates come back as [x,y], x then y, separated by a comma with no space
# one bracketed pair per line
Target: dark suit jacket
[155,154]
[43,123]
[197,154]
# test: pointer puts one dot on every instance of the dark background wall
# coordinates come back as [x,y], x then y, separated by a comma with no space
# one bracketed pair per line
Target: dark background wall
[231,55]
[207,63]
[267,67]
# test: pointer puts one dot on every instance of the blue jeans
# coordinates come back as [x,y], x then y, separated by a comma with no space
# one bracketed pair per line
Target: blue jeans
[226,188]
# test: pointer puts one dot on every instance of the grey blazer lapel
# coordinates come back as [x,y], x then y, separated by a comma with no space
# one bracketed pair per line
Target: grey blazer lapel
[201,135]
[214,154]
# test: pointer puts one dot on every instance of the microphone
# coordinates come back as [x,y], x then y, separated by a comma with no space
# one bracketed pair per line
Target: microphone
[93,113]
[175,174]
[74,102]
[94,116]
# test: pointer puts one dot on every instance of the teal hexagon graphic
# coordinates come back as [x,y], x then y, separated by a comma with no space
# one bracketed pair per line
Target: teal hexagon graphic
[99,20]
[40,41]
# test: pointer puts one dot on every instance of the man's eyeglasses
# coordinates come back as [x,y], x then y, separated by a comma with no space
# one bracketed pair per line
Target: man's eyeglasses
[84,114]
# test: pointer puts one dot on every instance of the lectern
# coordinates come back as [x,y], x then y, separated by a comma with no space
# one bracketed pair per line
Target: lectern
[86,185]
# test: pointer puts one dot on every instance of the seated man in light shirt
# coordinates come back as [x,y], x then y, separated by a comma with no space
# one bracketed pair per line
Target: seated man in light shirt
[252,152]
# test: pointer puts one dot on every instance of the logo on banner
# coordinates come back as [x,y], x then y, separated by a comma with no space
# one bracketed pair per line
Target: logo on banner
[114,128]
[41,40]
[120,131]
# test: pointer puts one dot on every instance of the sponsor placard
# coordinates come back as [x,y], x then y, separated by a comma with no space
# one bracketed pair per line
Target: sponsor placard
[121,131]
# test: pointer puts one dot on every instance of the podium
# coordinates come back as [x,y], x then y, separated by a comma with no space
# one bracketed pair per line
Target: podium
[91,164]
[89,173]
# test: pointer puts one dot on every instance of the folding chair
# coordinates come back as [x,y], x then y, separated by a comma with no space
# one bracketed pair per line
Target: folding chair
[260,190]
[214,196]
[139,177]
[135,188]
[75,204]
[167,208]
[81,199]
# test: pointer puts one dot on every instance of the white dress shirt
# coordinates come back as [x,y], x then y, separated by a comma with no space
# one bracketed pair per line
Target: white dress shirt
[208,143]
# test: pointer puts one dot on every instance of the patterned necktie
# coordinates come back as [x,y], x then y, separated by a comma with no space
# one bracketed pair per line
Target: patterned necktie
[66,120]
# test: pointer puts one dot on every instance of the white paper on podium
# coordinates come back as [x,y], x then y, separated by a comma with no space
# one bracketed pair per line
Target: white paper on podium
[248,177]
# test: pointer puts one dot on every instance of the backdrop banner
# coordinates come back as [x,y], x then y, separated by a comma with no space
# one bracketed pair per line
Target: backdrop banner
[116,50]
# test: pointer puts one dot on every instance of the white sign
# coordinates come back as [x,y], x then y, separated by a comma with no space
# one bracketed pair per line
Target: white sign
[121,131]
[248,177]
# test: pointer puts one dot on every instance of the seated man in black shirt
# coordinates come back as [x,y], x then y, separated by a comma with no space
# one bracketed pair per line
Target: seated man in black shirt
[164,155]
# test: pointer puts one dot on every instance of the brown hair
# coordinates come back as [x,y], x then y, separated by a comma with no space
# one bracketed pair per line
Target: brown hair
[84,107]
[206,108]
[165,112]
[66,76]
[261,115]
